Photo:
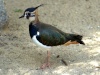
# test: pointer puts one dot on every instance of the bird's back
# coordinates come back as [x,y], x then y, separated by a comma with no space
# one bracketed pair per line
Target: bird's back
[51,36]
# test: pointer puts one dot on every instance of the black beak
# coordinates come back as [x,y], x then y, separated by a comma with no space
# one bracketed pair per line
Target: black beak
[21,16]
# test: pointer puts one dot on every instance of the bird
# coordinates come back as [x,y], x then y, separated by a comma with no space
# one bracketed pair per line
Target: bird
[47,36]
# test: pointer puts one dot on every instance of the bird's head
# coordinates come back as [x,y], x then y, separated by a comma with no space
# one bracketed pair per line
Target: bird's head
[30,13]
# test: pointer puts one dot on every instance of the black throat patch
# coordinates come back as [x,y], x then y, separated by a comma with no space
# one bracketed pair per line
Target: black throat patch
[32,30]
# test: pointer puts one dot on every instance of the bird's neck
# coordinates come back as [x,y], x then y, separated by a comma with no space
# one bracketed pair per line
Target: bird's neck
[36,17]
[34,20]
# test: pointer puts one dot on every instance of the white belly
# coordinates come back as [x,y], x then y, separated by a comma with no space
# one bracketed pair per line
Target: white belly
[38,43]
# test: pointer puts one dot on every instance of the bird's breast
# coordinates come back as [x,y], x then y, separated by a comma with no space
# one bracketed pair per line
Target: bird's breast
[36,41]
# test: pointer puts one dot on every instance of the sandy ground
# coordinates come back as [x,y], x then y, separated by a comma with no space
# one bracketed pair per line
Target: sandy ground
[20,56]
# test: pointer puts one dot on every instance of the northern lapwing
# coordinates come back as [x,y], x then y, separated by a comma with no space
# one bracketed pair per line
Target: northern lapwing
[47,36]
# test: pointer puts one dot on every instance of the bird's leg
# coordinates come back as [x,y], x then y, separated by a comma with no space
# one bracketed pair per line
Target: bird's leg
[48,58]
[47,63]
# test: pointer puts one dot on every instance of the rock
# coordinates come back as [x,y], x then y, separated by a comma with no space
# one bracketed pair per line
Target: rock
[3,15]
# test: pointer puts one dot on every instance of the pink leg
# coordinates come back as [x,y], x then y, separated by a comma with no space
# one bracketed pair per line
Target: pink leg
[47,63]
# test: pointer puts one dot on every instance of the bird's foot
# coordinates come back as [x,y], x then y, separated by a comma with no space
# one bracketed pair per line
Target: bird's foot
[45,65]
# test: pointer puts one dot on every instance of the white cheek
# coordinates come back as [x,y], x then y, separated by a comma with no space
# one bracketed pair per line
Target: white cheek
[25,16]
[31,18]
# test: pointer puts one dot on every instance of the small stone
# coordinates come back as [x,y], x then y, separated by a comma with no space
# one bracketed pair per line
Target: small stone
[58,56]
[3,15]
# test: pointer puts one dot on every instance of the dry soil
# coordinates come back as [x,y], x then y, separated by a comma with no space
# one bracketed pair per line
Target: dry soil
[20,56]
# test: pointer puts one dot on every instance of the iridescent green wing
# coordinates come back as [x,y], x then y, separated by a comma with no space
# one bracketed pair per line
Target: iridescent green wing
[51,37]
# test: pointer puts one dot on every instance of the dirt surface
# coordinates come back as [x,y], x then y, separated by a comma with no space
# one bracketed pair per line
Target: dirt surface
[20,56]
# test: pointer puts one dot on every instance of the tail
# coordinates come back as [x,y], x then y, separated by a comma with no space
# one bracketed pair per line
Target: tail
[79,39]
[75,37]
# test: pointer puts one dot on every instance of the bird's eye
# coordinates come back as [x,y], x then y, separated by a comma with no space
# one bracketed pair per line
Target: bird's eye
[28,14]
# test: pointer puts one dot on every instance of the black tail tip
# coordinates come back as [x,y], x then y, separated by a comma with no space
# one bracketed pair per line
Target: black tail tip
[79,39]
[81,42]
